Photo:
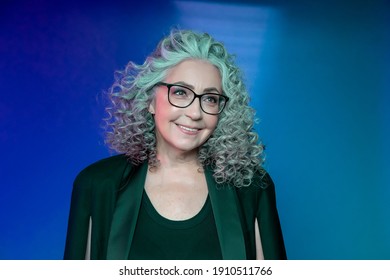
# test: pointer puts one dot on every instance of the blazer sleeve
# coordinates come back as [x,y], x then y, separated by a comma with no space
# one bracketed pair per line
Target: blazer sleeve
[269,224]
[79,217]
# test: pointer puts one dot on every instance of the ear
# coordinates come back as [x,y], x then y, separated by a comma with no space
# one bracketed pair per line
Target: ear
[152,107]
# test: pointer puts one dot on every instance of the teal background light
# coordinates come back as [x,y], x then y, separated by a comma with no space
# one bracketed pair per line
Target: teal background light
[319,77]
[326,125]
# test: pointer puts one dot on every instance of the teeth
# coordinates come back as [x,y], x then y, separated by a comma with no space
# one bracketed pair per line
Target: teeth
[188,129]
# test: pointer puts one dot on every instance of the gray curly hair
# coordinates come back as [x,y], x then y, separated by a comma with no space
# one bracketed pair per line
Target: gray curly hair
[233,151]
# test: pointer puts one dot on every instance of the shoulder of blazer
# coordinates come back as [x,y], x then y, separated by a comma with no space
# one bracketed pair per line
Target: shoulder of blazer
[105,174]
[262,179]
[261,183]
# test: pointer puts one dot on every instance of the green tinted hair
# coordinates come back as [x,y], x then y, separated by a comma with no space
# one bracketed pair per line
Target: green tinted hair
[233,151]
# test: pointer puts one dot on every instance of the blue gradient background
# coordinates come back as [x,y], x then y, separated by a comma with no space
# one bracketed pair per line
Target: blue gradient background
[318,73]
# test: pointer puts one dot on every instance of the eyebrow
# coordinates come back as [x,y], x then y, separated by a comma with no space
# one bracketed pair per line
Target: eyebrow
[193,88]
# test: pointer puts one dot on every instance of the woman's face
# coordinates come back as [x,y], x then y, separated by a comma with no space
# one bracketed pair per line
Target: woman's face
[185,129]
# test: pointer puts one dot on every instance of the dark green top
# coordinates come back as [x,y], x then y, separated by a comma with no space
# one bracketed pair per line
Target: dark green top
[158,238]
[109,192]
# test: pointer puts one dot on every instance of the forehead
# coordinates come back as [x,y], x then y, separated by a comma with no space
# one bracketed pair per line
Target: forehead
[195,72]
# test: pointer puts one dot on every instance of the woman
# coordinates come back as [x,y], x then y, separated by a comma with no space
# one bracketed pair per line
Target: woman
[188,183]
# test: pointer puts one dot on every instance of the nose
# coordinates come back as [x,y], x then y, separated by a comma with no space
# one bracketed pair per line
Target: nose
[194,111]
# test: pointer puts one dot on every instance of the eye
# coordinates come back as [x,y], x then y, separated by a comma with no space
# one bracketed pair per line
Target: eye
[179,92]
[211,99]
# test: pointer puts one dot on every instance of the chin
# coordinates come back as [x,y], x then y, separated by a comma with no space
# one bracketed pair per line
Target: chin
[186,148]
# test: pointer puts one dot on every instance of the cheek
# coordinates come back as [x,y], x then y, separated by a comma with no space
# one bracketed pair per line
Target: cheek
[212,122]
[163,109]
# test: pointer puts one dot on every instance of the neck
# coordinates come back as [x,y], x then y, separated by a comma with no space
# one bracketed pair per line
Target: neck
[170,158]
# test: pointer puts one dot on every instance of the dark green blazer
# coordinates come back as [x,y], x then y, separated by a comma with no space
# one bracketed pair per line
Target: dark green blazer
[109,194]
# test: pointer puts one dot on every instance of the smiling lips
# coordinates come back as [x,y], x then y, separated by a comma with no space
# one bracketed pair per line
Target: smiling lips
[188,130]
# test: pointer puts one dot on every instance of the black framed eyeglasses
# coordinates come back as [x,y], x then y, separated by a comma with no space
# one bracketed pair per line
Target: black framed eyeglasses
[181,96]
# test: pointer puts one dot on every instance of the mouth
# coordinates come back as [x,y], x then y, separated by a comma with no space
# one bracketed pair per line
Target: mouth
[188,129]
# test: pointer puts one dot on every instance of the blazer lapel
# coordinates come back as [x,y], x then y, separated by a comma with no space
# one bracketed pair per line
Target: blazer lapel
[125,215]
[224,203]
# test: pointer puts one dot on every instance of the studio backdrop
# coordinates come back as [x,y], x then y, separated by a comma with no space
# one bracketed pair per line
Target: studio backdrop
[319,77]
